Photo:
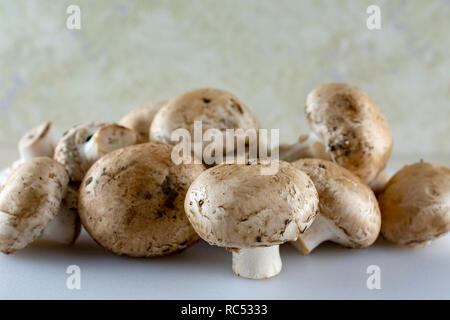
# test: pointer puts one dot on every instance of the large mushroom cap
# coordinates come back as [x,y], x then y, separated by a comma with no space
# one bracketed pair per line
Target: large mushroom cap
[415,204]
[352,127]
[131,201]
[141,118]
[235,206]
[346,204]
[82,145]
[216,109]
[29,200]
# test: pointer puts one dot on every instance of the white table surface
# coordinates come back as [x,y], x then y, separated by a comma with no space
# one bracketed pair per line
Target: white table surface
[204,272]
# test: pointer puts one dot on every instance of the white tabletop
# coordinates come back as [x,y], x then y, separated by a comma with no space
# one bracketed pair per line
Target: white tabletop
[204,272]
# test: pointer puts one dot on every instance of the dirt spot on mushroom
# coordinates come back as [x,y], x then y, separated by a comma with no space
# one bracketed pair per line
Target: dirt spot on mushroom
[170,192]
[237,106]
[88,181]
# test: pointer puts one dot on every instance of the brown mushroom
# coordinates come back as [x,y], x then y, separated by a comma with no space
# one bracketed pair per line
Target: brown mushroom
[131,201]
[415,205]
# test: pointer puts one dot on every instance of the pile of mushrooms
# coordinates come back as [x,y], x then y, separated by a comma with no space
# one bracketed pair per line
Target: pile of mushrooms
[119,182]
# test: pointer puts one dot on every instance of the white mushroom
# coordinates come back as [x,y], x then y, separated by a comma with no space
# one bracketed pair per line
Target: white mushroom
[236,207]
[352,129]
[84,144]
[415,205]
[29,201]
[348,210]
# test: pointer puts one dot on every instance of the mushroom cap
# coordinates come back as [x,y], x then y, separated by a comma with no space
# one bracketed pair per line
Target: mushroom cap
[29,200]
[415,204]
[216,109]
[37,142]
[352,127]
[235,206]
[345,201]
[141,118]
[71,151]
[131,201]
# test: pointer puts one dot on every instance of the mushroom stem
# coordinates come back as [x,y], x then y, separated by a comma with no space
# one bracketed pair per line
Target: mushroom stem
[106,139]
[257,263]
[320,231]
[309,146]
[64,228]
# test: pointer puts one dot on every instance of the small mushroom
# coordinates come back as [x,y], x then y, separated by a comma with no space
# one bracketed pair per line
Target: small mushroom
[236,207]
[38,142]
[351,127]
[29,201]
[131,201]
[348,210]
[415,205]
[216,109]
[84,144]
[141,118]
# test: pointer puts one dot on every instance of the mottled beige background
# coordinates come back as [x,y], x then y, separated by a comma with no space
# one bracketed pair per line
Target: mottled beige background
[269,53]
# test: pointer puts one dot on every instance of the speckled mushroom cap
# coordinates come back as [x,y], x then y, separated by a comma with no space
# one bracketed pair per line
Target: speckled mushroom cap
[215,108]
[234,206]
[352,127]
[71,153]
[344,201]
[415,204]
[141,118]
[131,201]
[29,200]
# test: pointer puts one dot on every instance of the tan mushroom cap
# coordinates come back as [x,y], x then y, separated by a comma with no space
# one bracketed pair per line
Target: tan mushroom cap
[415,204]
[346,204]
[141,118]
[84,144]
[234,206]
[352,127]
[131,201]
[216,109]
[29,200]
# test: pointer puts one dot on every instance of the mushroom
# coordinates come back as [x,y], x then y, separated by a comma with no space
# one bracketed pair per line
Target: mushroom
[308,146]
[351,127]
[348,210]
[141,118]
[216,109]
[29,201]
[38,142]
[415,205]
[377,185]
[131,201]
[236,207]
[84,144]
